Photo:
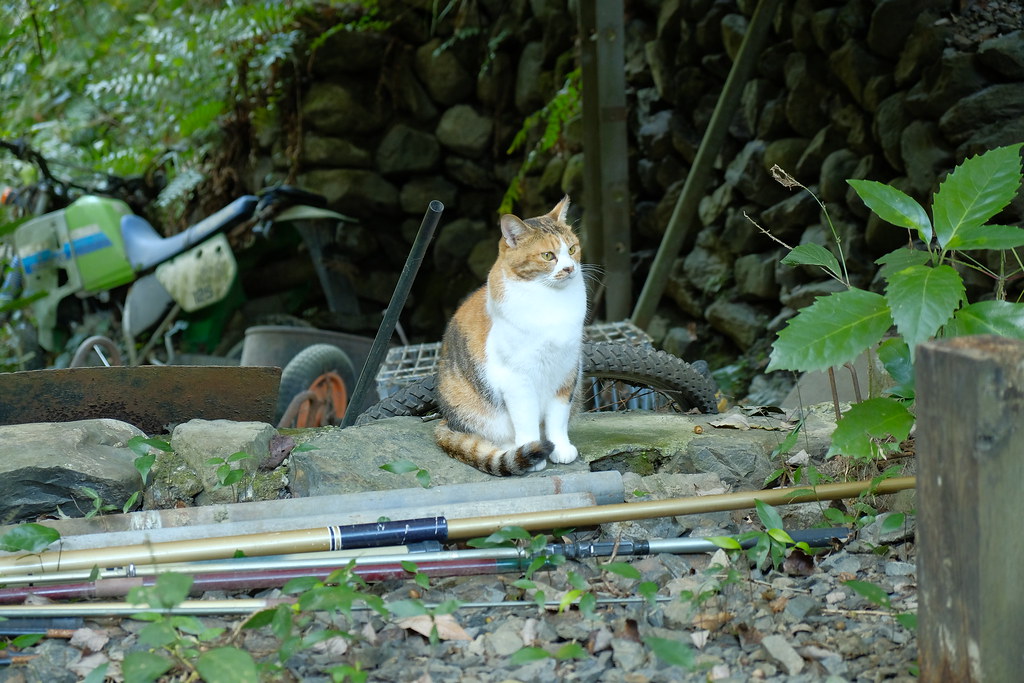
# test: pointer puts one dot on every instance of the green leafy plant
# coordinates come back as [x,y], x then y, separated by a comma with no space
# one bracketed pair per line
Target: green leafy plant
[181,641]
[924,295]
[880,597]
[98,506]
[28,538]
[546,127]
[770,546]
[405,466]
[569,651]
[227,473]
[145,450]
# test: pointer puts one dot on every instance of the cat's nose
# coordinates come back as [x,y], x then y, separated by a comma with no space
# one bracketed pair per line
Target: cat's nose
[568,270]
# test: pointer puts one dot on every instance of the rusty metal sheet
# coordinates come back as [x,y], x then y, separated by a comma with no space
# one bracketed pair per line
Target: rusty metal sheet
[151,397]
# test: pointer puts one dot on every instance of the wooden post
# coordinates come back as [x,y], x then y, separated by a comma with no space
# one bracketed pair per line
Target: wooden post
[606,174]
[970,452]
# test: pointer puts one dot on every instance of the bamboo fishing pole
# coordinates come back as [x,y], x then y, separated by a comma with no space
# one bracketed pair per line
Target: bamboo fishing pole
[436,528]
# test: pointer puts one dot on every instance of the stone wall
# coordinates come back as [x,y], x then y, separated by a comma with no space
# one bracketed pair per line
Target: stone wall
[897,91]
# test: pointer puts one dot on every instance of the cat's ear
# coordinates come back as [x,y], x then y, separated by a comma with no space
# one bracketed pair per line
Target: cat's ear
[561,208]
[512,229]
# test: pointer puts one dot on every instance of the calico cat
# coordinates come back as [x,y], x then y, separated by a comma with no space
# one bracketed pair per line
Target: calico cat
[509,365]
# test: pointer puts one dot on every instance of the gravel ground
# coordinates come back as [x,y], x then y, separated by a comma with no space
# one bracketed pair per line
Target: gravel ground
[800,623]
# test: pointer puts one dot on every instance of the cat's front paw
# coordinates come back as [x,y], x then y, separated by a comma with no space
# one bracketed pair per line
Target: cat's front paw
[564,454]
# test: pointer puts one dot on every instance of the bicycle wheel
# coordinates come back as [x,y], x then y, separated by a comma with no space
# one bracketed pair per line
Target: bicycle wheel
[625,372]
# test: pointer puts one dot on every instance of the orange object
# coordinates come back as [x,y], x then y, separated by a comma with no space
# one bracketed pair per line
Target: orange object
[326,403]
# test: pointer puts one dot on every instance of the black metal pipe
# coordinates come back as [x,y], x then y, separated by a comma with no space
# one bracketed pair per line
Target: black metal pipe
[387,326]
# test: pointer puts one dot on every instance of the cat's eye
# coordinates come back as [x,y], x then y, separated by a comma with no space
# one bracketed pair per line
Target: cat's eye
[573,249]
[548,256]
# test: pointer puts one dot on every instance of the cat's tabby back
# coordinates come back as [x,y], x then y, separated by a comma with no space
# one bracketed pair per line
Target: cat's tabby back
[509,365]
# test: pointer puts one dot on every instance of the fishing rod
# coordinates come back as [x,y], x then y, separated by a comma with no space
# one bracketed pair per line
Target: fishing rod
[259,573]
[435,528]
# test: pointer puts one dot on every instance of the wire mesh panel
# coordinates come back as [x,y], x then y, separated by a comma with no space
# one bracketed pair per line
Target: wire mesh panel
[406,364]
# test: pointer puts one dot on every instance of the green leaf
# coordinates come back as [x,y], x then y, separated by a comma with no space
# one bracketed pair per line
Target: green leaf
[171,589]
[907,620]
[407,608]
[571,650]
[987,237]
[874,593]
[672,652]
[29,538]
[623,569]
[894,206]
[895,357]
[781,536]
[144,667]
[423,478]
[235,457]
[725,542]
[768,515]
[922,300]
[568,599]
[260,619]
[875,418]
[974,192]
[227,665]
[835,329]
[97,675]
[1003,318]
[813,255]
[27,640]
[648,590]
[528,654]
[901,258]
[400,467]
[893,522]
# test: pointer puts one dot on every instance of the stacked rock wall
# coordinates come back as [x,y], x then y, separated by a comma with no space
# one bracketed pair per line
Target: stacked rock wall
[897,91]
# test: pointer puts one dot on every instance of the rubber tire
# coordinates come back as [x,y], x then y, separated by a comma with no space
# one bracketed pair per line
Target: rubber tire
[308,364]
[637,365]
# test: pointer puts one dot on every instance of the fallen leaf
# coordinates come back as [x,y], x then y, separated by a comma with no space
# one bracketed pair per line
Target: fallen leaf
[798,459]
[732,421]
[447,627]
[629,631]
[600,640]
[86,664]
[719,672]
[778,604]
[89,640]
[700,639]
[712,621]
[798,563]
[335,646]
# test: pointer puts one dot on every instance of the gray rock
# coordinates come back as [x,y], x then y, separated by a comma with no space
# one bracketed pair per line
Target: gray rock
[407,150]
[679,341]
[741,322]
[418,193]
[529,92]
[734,28]
[755,276]
[922,51]
[45,465]
[352,190]
[891,23]
[708,270]
[336,109]
[991,105]
[463,130]
[853,65]
[788,219]
[925,155]
[469,173]
[197,441]
[805,101]
[955,77]
[826,141]
[891,118]
[441,72]
[835,170]
[748,174]
[785,153]
[780,650]
[454,242]
[319,150]
[804,295]
[349,51]
[1004,54]
[714,204]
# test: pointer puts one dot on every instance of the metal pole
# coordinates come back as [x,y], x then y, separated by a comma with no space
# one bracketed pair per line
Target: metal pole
[387,325]
[436,528]
[680,224]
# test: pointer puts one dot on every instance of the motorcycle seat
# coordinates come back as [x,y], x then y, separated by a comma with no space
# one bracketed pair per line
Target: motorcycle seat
[146,248]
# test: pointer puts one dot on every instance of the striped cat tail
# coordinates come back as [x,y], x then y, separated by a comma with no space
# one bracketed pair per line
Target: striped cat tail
[478,452]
